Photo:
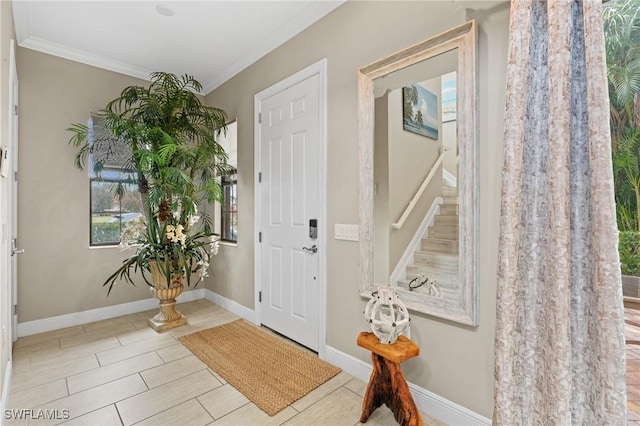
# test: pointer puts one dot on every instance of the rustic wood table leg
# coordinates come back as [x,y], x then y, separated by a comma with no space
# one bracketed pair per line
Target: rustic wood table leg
[388,386]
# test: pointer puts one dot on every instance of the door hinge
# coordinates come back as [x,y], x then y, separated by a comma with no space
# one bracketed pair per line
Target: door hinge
[259,118]
[15,110]
[15,175]
[15,309]
[259,177]
[259,237]
[260,296]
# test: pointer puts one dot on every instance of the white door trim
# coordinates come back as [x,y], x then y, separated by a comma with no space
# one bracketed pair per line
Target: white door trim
[13,202]
[319,68]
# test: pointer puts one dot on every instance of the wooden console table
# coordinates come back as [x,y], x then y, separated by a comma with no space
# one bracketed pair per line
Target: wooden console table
[387,384]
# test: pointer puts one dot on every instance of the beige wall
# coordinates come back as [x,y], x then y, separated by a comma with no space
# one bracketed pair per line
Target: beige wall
[6,34]
[449,138]
[58,273]
[456,361]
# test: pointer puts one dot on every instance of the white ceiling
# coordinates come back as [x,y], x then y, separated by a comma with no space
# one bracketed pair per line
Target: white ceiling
[211,40]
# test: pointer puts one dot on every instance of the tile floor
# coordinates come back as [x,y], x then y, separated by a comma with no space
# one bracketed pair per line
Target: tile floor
[121,372]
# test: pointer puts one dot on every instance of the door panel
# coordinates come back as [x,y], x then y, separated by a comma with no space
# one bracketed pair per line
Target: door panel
[290,193]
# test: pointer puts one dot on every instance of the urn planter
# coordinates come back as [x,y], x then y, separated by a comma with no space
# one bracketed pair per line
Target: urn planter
[167,318]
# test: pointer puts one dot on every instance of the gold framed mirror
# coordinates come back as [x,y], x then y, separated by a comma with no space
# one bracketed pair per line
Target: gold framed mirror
[418,172]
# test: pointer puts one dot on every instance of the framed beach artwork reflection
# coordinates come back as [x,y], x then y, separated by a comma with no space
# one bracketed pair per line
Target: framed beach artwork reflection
[449,98]
[420,111]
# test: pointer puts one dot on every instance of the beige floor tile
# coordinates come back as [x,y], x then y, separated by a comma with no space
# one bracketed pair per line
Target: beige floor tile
[156,400]
[139,320]
[173,352]
[203,323]
[356,385]
[188,329]
[322,391]
[111,372]
[251,415]
[37,418]
[30,379]
[223,400]
[166,373]
[217,376]
[189,413]
[430,421]
[38,395]
[48,345]
[96,335]
[92,399]
[50,359]
[20,365]
[48,336]
[341,407]
[106,416]
[110,324]
[129,351]
[137,335]
[382,416]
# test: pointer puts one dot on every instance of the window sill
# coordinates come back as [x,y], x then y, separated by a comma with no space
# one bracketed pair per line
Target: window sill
[115,246]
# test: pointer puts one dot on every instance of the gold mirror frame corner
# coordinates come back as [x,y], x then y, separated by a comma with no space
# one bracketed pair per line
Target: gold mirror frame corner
[464,37]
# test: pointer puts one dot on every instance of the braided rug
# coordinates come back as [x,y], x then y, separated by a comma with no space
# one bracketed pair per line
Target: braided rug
[270,372]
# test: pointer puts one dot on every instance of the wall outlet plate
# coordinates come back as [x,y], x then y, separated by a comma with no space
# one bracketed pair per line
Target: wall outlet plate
[346,232]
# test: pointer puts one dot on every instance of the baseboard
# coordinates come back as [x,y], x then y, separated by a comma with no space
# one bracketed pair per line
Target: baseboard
[230,305]
[426,401]
[78,318]
[400,271]
[8,371]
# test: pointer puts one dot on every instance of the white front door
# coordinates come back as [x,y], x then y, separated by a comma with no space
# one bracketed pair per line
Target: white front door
[13,129]
[291,217]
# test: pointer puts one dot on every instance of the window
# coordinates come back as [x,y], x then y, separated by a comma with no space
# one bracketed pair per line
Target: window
[226,213]
[229,208]
[115,199]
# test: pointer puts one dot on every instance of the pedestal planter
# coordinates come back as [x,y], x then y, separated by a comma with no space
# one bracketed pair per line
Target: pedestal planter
[168,317]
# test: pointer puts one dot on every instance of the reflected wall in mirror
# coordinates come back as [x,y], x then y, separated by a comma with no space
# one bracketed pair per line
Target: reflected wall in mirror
[418,186]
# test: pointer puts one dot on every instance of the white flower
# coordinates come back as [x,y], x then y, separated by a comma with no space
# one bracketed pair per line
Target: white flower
[203,269]
[214,247]
[193,220]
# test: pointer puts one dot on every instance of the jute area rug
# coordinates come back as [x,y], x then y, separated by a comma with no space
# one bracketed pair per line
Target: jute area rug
[270,372]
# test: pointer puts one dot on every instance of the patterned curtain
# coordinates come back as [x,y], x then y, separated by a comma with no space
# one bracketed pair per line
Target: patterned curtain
[560,357]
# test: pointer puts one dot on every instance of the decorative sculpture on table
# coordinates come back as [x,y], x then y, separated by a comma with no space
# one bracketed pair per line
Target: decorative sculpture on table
[389,345]
[387,315]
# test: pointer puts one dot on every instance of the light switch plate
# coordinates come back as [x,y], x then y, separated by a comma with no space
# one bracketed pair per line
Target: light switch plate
[346,232]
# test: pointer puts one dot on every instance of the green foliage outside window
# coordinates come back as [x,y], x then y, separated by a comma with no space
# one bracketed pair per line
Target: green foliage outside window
[622,43]
[105,233]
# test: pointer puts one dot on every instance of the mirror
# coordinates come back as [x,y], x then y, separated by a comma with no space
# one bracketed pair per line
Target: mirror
[418,183]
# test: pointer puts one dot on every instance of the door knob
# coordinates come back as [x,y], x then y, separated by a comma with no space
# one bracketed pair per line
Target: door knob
[312,249]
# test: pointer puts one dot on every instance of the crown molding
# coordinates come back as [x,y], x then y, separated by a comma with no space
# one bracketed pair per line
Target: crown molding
[83,57]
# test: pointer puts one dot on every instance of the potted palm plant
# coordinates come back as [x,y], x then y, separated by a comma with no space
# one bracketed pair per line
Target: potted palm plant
[171,149]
